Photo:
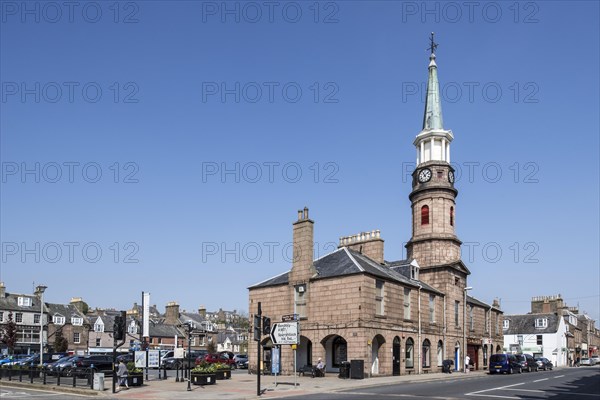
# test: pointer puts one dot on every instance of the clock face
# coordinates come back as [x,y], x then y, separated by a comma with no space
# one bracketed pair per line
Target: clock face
[424,175]
[450,176]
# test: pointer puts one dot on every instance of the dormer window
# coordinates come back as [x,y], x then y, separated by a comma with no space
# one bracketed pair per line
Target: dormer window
[58,320]
[24,301]
[76,321]
[541,323]
[505,324]
[414,272]
[99,326]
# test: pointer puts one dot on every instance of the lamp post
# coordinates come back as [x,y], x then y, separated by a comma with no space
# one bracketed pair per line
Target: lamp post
[190,327]
[41,289]
[465,325]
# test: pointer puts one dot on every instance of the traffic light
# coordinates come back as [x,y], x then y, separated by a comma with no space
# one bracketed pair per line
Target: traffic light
[119,326]
[266,325]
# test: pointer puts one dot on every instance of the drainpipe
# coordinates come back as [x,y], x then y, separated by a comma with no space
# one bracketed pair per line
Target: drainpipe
[420,345]
[444,332]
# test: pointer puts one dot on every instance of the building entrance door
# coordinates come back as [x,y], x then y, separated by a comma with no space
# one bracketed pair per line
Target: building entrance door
[396,357]
[472,352]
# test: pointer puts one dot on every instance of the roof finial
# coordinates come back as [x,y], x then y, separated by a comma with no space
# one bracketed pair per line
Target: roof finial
[433,44]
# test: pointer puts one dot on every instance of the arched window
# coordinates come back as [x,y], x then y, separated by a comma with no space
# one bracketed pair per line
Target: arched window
[440,353]
[410,363]
[425,215]
[452,216]
[485,355]
[426,354]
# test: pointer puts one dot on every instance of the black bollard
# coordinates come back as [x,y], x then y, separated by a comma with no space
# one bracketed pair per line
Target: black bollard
[20,374]
[58,379]
[31,374]
[44,376]
[177,373]
[164,372]
[74,378]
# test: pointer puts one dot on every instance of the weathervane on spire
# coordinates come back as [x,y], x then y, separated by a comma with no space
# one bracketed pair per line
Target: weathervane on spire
[433,45]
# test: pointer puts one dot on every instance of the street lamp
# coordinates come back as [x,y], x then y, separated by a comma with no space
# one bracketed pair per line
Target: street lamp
[465,325]
[41,289]
[190,326]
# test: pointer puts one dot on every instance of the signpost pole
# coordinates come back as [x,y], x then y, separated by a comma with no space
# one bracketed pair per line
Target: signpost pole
[258,351]
[295,367]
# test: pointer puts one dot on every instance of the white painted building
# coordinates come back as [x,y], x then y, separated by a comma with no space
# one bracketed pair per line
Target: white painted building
[541,335]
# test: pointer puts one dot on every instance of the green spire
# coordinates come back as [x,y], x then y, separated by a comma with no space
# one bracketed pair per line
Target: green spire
[432,119]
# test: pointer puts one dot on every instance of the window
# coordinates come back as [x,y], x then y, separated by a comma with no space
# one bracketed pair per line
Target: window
[487,321]
[452,216]
[98,327]
[425,215]
[339,351]
[202,340]
[24,301]
[97,342]
[456,307]
[414,272]
[1,316]
[485,355]
[406,303]
[379,293]
[300,301]
[471,320]
[76,338]
[58,320]
[77,321]
[18,317]
[159,340]
[539,340]
[505,324]
[36,318]
[409,353]
[497,330]
[426,354]
[193,343]
[431,308]
[440,353]
[541,323]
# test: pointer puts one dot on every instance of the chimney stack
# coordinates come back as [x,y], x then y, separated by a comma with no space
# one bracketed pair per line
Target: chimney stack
[303,238]
[202,311]
[172,313]
[368,243]
[2,290]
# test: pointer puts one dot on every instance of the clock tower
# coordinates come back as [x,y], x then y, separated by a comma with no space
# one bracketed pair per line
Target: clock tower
[434,243]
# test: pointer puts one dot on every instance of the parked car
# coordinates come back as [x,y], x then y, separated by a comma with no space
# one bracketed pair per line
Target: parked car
[240,360]
[544,363]
[174,363]
[585,361]
[595,360]
[66,368]
[222,357]
[51,367]
[95,362]
[504,363]
[125,358]
[47,359]
[10,360]
[527,362]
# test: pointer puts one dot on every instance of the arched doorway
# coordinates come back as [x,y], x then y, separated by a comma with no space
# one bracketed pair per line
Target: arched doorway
[498,349]
[376,344]
[457,356]
[304,353]
[336,351]
[396,356]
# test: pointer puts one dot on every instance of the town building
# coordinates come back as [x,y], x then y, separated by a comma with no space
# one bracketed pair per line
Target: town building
[398,317]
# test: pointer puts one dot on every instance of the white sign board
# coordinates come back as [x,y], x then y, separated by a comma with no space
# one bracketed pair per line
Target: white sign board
[146,314]
[140,359]
[285,333]
[179,352]
[153,358]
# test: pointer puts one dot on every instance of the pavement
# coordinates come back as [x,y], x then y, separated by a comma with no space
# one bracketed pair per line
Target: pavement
[243,386]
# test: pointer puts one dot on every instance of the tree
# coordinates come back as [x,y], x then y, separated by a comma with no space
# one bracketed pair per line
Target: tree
[9,334]
[211,348]
[61,344]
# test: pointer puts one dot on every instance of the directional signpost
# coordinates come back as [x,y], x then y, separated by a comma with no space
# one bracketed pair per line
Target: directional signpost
[285,333]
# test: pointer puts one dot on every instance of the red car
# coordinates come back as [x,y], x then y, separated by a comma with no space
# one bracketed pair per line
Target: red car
[223,357]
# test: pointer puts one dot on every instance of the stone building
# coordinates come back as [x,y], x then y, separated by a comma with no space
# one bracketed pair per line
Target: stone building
[399,317]
[72,324]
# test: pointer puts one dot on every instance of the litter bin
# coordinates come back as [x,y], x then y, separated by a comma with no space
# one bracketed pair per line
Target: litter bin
[447,366]
[99,382]
[357,369]
[345,370]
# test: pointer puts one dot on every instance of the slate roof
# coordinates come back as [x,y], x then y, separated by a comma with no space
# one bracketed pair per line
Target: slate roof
[66,310]
[345,262]
[10,303]
[477,302]
[164,330]
[525,324]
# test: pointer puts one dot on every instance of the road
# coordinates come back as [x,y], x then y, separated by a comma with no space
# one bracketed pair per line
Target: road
[569,383]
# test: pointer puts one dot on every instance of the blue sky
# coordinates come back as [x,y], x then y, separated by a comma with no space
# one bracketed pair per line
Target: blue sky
[169,144]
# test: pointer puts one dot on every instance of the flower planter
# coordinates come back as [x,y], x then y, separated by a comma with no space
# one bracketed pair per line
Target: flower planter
[135,380]
[203,379]
[223,374]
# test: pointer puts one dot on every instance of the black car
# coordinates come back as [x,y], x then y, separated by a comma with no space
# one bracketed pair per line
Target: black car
[93,363]
[241,361]
[175,363]
[544,363]
[527,362]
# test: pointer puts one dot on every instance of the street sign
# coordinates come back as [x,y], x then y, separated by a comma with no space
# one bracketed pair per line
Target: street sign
[289,317]
[285,333]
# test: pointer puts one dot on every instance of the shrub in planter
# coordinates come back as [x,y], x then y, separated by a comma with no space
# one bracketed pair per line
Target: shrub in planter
[135,376]
[223,371]
[204,374]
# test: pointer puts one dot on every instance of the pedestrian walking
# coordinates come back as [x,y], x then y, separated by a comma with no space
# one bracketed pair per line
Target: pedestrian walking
[122,375]
[467,361]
